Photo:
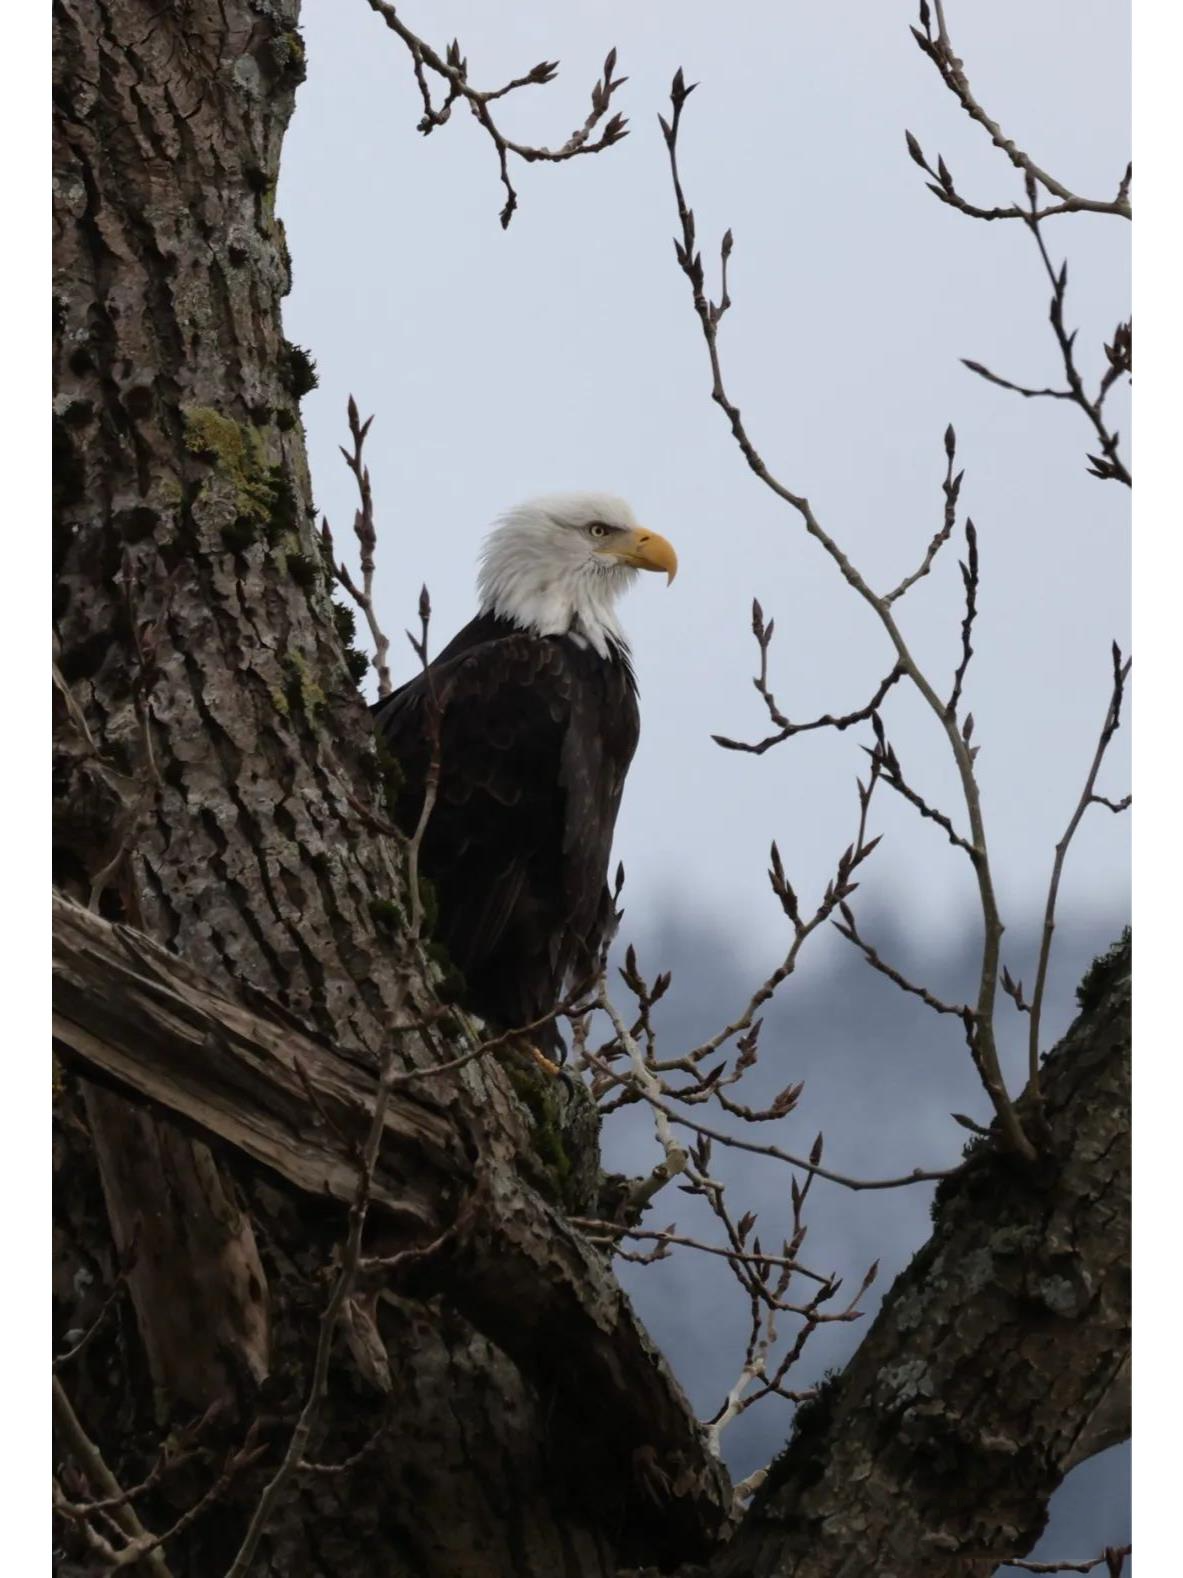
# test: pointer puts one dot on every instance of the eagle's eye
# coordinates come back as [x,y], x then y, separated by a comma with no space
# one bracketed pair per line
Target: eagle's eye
[598,529]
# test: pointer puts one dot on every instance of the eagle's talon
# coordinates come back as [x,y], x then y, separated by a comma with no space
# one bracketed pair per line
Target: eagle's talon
[547,1065]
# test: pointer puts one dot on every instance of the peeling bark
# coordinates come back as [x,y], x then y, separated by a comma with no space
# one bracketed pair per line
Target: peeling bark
[128,1012]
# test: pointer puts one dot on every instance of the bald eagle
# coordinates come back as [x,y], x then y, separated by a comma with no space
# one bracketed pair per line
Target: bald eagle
[537,708]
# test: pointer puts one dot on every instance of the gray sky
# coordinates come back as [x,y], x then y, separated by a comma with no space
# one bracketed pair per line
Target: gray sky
[564,353]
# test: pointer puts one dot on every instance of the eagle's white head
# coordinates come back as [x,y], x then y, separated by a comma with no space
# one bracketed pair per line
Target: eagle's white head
[557,565]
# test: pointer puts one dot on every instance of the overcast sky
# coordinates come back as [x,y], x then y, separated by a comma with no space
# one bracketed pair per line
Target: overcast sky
[565,354]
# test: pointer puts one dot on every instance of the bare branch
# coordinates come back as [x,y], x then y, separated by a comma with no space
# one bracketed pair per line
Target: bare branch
[917,1175]
[88,1457]
[951,487]
[884,757]
[1113,1557]
[108,1304]
[986,1052]
[674,1155]
[786,729]
[367,537]
[297,1447]
[431,782]
[1121,672]
[1108,466]
[452,69]
[938,48]
[354,1458]
[609,1232]
[969,579]
[849,930]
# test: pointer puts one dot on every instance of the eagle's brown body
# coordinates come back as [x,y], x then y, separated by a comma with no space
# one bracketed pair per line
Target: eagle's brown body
[536,736]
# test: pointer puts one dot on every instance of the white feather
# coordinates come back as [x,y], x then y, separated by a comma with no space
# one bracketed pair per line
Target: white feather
[541,570]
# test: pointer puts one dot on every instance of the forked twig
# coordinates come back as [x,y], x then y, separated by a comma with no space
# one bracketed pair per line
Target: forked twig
[938,47]
[986,1051]
[1088,796]
[367,537]
[452,69]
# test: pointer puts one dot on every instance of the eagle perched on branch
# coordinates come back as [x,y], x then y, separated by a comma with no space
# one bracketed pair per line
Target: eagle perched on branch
[536,704]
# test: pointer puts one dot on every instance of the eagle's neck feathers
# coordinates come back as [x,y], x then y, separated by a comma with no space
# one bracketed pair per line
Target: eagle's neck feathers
[543,586]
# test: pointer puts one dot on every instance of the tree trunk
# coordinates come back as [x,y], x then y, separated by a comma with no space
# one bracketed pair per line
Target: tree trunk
[217,787]
[231,967]
[1000,1358]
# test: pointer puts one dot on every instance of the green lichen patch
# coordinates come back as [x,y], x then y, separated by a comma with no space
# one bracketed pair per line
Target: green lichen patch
[238,455]
[284,514]
[535,1090]
[345,623]
[803,1460]
[297,369]
[387,916]
[303,570]
[450,987]
[263,496]
[289,57]
[1104,971]
[430,904]
[303,694]
[390,777]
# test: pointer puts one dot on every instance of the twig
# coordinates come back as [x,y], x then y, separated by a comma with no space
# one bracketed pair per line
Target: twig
[354,1458]
[690,262]
[848,927]
[90,1460]
[918,1175]
[951,488]
[1121,672]
[296,1451]
[893,775]
[1113,1556]
[367,537]
[786,729]
[248,1453]
[453,70]
[432,781]
[65,1508]
[1108,466]
[939,49]
[607,1232]
[969,579]
[91,1331]
[674,1155]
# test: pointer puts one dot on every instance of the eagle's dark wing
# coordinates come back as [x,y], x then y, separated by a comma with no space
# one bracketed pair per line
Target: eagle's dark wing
[536,735]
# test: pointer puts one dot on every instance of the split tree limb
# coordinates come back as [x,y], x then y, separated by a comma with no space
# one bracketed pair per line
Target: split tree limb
[128,1011]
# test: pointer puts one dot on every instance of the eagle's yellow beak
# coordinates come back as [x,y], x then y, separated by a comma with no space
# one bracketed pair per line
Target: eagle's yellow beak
[645,550]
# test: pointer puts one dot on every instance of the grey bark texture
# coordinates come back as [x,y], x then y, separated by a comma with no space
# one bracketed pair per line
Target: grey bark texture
[229,968]
[1000,1357]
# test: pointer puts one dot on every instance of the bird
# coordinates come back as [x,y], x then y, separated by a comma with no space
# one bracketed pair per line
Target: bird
[535,703]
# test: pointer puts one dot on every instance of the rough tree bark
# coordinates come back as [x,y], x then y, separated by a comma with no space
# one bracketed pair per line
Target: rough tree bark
[217,786]
[219,803]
